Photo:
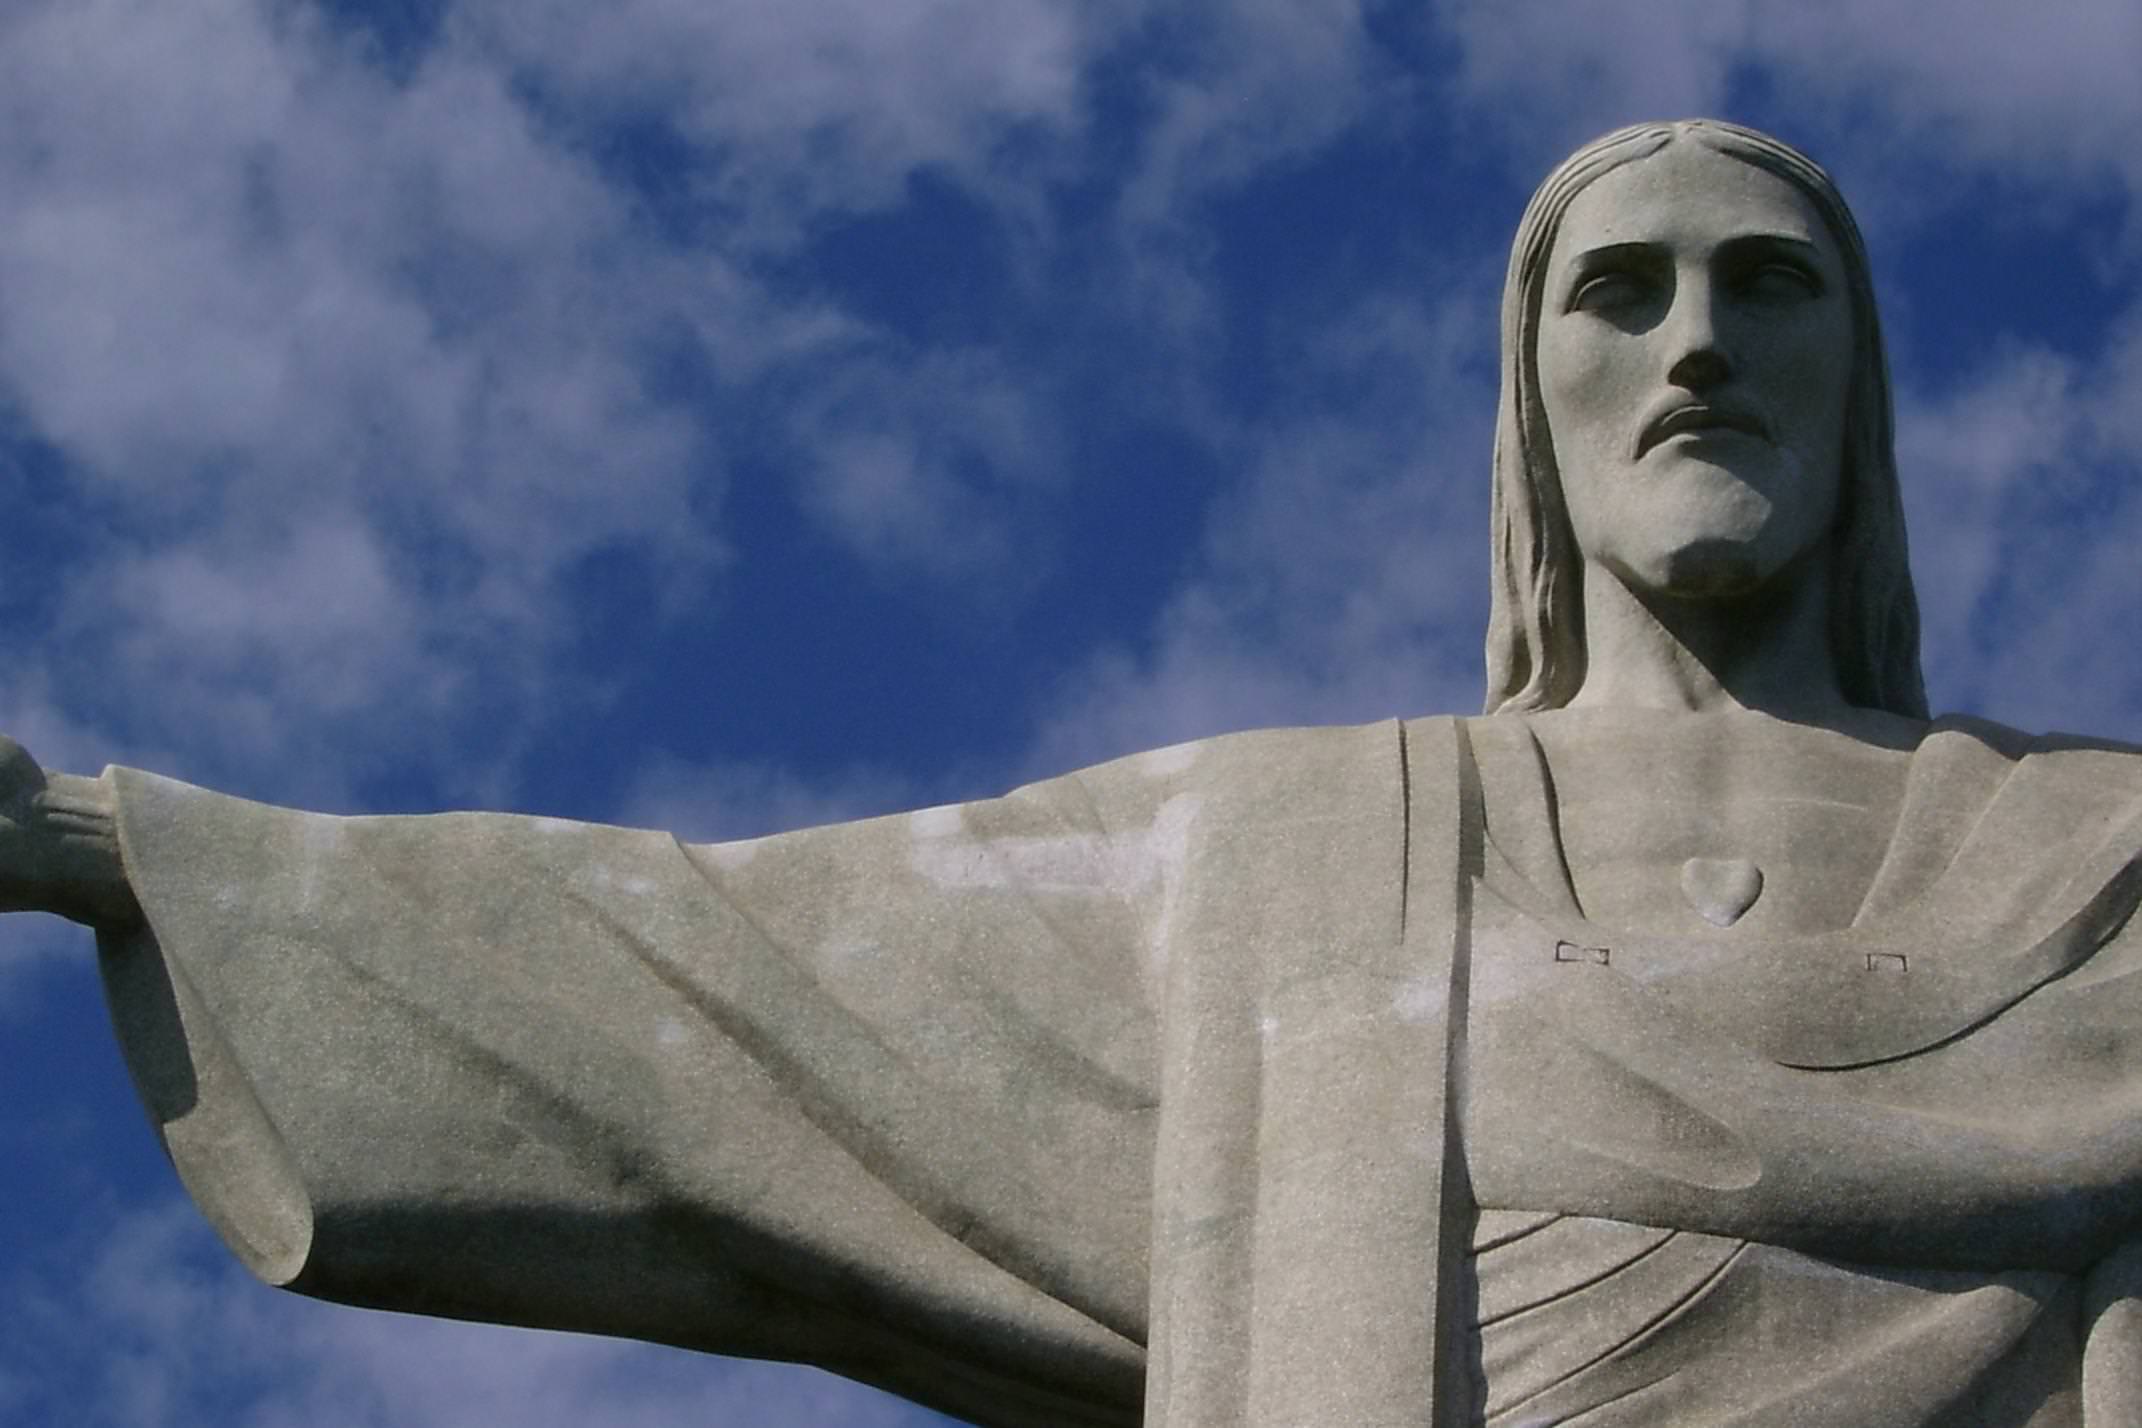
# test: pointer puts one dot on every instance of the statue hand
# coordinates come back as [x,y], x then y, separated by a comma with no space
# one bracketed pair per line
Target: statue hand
[23,855]
[59,844]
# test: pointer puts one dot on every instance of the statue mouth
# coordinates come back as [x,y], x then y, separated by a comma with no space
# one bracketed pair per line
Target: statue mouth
[1686,417]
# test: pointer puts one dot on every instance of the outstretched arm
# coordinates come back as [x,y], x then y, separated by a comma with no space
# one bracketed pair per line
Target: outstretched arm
[876,1096]
[59,844]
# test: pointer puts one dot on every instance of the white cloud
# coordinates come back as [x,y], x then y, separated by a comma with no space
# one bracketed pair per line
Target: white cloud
[806,109]
[363,361]
[702,804]
[1261,82]
[1344,578]
[2049,89]
[277,257]
[353,363]
[1964,457]
[2021,485]
[931,461]
[828,108]
[1544,78]
[2045,93]
[30,946]
[324,588]
[1235,91]
[30,715]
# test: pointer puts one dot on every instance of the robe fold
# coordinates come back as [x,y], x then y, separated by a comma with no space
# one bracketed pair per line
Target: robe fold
[1275,1079]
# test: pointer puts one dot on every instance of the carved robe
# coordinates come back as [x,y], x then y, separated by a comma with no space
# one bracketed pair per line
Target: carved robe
[1276,1079]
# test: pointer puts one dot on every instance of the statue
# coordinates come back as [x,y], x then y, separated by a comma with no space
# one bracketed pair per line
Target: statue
[1701,1036]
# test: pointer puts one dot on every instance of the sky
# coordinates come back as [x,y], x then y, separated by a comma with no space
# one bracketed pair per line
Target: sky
[728,417]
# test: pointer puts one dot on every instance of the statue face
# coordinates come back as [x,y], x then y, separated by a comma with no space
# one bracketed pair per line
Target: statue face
[1694,356]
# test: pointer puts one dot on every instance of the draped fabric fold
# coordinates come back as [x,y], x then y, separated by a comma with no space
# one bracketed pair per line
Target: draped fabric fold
[1307,1182]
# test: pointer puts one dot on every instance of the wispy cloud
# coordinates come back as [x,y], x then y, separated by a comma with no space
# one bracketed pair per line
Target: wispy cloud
[702,804]
[2024,526]
[348,364]
[1343,576]
[363,360]
[802,110]
[937,462]
[2045,90]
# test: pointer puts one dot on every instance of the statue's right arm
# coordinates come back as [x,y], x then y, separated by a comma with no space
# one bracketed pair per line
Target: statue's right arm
[59,844]
[876,1095]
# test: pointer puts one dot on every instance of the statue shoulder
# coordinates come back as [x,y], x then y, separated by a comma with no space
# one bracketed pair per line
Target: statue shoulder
[2057,755]
[1254,770]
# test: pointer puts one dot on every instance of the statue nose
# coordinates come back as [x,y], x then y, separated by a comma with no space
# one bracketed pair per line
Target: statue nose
[1700,367]
[1692,327]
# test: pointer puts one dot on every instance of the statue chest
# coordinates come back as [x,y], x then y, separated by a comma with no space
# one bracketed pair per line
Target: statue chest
[1875,1094]
[1695,828]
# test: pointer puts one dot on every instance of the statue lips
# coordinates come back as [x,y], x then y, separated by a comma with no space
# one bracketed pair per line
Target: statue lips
[1683,417]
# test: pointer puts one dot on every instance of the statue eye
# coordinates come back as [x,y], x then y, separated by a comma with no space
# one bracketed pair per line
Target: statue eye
[1612,291]
[1778,280]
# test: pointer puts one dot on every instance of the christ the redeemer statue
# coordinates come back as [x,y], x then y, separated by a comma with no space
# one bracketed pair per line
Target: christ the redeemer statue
[1701,1036]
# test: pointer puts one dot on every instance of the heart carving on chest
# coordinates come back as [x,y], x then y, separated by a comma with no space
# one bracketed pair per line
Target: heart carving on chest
[1721,889]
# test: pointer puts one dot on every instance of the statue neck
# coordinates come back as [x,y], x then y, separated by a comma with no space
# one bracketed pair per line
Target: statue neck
[1634,793]
[1768,651]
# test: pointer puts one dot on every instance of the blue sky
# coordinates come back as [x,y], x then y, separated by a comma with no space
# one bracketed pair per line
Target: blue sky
[729,416]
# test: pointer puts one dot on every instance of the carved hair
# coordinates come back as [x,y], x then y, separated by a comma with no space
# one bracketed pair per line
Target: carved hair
[1535,642]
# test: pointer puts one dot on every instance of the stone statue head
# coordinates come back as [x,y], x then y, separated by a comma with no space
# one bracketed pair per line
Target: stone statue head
[1536,647]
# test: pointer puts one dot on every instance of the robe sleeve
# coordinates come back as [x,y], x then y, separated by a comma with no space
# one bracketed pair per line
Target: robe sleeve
[875,1096]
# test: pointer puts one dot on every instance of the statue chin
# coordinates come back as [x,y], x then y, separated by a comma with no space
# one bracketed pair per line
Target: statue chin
[1735,563]
[1715,568]
[1690,529]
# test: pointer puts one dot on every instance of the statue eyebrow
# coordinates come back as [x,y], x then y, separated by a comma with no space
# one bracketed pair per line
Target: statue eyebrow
[1790,242]
[1650,253]
[1610,255]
